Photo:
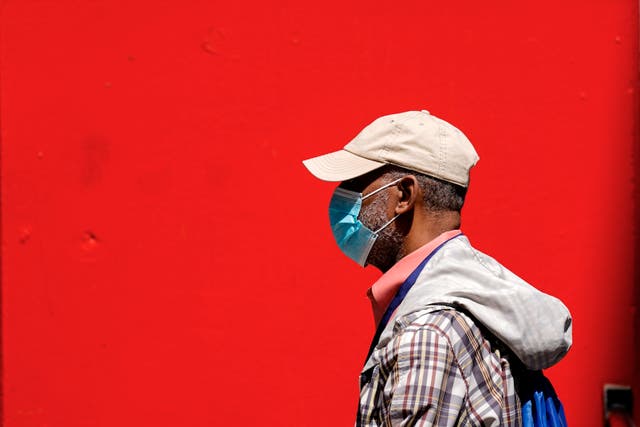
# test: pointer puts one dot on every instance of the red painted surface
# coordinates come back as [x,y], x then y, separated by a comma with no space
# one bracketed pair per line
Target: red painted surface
[166,259]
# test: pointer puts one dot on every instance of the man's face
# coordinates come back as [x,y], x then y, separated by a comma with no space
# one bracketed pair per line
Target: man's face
[376,211]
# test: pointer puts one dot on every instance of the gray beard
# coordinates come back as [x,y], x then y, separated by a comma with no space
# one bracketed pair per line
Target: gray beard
[384,252]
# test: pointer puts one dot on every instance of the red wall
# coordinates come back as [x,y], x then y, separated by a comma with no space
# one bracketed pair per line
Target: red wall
[166,259]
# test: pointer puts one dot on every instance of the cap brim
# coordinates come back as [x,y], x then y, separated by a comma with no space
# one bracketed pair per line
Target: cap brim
[340,166]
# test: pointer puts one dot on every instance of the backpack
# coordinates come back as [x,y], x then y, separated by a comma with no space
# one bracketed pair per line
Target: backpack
[539,401]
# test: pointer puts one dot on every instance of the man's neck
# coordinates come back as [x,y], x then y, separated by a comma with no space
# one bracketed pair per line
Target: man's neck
[425,231]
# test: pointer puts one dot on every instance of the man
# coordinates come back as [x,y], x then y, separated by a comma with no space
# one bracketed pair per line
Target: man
[460,339]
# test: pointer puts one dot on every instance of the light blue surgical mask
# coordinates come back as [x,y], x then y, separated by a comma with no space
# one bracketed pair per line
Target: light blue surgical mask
[354,239]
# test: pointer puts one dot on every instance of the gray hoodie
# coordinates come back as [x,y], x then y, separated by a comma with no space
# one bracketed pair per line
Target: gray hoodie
[534,325]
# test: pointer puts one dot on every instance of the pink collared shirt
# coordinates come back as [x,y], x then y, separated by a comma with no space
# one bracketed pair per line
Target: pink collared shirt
[385,288]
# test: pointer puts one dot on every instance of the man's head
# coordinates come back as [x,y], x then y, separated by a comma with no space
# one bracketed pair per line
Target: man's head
[424,163]
[424,206]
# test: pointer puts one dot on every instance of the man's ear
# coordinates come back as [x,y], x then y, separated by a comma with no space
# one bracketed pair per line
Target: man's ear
[409,193]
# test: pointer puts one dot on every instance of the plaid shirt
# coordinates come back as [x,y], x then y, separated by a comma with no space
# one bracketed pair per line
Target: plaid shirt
[438,370]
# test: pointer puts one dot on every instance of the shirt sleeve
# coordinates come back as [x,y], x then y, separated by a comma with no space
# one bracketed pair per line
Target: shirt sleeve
[425,386]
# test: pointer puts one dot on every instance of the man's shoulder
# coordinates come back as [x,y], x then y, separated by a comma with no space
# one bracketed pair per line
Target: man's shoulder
[443,319]
[464,336]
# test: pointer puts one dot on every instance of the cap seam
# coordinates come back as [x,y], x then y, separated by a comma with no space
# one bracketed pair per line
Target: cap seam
[361,156]
[442,147]
[431,174]
[386,146]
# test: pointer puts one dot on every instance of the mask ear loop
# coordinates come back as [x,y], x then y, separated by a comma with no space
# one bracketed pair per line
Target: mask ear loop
[382,188]
[386,224]
[376,191]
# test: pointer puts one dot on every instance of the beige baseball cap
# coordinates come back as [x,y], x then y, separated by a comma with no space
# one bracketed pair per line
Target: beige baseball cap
[414,140]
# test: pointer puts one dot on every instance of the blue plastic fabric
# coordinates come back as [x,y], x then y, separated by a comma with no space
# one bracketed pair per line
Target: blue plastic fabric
[540,404]
[353,238]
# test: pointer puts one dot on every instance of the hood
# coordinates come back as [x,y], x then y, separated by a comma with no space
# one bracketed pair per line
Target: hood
[534,325]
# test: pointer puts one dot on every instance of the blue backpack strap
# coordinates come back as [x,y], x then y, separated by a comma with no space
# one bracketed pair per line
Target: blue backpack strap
[540,404]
